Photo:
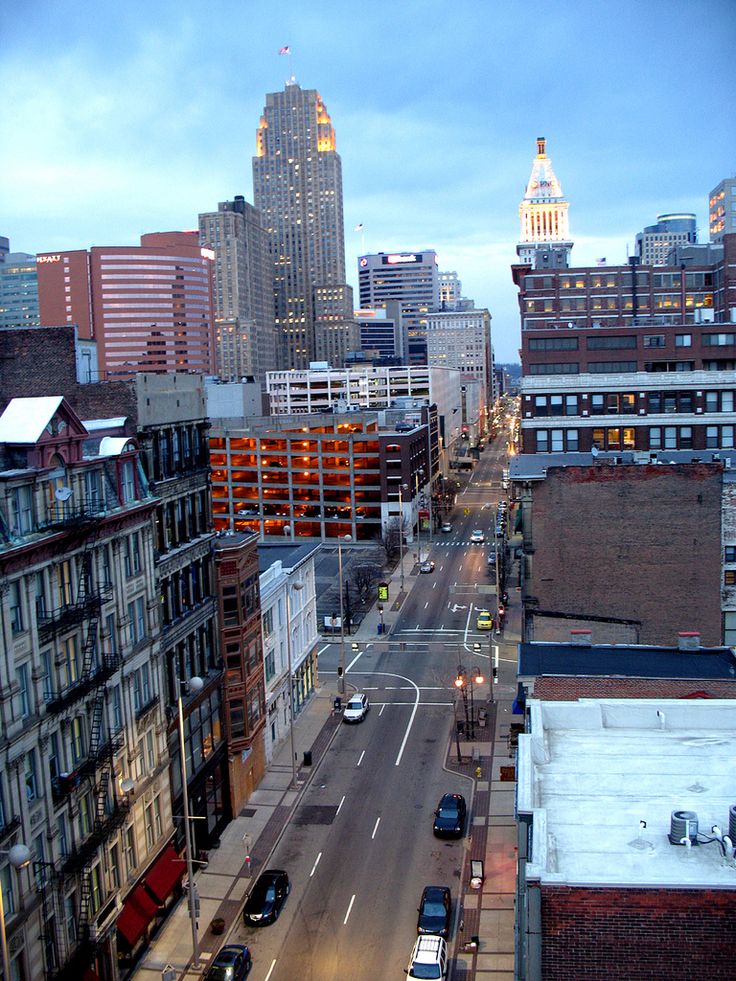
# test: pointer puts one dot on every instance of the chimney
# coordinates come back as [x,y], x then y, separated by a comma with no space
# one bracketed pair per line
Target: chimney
[580,638]
[688,640]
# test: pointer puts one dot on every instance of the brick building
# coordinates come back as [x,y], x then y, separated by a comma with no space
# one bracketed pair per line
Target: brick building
[632,550]
[602,891]
[634,357]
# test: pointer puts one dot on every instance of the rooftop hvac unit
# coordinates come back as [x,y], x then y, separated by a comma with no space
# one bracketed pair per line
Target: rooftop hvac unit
[683,824]
[732,822]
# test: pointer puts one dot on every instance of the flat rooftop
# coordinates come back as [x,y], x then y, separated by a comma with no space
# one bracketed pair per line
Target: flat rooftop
[589,771]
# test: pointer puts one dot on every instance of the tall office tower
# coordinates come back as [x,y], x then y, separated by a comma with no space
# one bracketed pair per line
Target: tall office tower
[18,288]
[245,341]
[461,339]
[297,187]
[148,306]
[543,214]
[409,278]
[722,209]
[670,231]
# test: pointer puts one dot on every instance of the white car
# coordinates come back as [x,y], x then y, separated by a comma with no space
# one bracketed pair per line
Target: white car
[357,708]
[446,526]
[477,537]
[428,958]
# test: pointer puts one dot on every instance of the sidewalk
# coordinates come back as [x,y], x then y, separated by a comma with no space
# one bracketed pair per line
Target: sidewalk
[487,913]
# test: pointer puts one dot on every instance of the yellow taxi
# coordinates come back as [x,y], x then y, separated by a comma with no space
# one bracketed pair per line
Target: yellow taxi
[484,620]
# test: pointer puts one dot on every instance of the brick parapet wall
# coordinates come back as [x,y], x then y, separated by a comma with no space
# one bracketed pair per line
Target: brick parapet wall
[591,934]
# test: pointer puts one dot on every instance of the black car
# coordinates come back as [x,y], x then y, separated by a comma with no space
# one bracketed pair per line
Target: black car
[266,898]
[434,911]
[449,818]
[233,963]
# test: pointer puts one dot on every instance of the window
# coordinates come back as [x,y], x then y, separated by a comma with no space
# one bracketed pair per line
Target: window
[20,511]
[86,814]
[655,438]
[540,405]
[729,577]
[572,440]
[129,844]
[114,866]
[686,438]
[76,731]
[149,825]
[270,665]
[718,340]
[711,437]
[31,776]
[571,405]
[16,608]
[727,401]
[555,405]
[62,835]
[610,367]
[605,342]
[670,438]
[70,918]
[729,553]
[654,340]
[553,343]
[268,623]
[150,750]
[597,404]
[127,481]
[23,691]
[96,888]
[557,442]
[542,441]
[41,606]
[683,340]
[654,402]
[554,369]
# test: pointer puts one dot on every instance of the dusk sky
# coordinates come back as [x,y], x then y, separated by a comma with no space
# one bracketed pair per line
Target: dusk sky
[125,118]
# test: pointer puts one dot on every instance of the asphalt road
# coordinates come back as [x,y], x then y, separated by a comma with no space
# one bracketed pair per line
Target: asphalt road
[360,848]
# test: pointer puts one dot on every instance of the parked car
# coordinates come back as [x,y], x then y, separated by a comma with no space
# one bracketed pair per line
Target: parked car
[357,708]
[477,536]
[428,959]
[427,566]
[267,898]
[233,963]
[434,911]
[484,620]
[446,527]
[449,818]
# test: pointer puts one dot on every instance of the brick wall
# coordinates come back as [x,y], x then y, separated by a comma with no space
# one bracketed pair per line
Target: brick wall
[637,934]
[41,361]
[642,542]
[570,687]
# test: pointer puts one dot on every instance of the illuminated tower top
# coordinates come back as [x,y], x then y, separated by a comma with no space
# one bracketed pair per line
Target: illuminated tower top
[543,214]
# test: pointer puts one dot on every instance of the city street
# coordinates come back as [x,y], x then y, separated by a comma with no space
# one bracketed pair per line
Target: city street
[360,848]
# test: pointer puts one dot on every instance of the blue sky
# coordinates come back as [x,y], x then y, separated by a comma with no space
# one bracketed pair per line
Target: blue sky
[118,119]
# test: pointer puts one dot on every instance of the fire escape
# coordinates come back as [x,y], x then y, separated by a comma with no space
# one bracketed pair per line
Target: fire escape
[67,957]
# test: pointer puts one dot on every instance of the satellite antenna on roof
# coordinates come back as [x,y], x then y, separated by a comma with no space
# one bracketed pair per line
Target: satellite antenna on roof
[63,493]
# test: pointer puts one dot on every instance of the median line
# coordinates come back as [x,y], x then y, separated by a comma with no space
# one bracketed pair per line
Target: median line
[350,906]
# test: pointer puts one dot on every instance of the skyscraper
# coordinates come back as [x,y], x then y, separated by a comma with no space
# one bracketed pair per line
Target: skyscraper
[297,187]
[409,278]
[244,330]
[654,243]
[18,287]
[722,209]
[543,214]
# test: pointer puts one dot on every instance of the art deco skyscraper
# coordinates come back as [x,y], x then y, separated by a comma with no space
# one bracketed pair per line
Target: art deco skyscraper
[543,214]
[297,187]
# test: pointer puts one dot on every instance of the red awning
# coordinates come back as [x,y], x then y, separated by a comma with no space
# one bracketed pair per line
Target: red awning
[138,911]
[166,873]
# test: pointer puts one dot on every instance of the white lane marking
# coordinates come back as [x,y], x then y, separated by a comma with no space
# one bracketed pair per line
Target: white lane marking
[378,821]
[340,805]
[426,604]
[316,863]
[434,584]
[270,970]
[355,659]
[321,651]
[382,708]
[360,760]
[467,627]
[411,721]
[350,906]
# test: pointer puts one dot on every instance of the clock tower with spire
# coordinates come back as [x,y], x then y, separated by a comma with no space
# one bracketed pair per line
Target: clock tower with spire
[545,234]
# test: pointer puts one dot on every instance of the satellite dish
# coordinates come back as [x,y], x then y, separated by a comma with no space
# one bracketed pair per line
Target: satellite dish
[594,452]
[63,493]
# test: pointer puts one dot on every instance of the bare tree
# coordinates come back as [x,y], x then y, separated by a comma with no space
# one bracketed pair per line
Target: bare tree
[392,538]
[364,576]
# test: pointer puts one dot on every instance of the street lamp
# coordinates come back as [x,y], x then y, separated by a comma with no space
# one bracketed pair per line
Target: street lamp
[341,669]
[297,586]
[401,535]
[417,475]
[19,857]
[461,683]
[195,686]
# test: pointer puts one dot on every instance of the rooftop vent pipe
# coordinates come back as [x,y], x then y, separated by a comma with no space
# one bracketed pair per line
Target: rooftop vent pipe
[732,822]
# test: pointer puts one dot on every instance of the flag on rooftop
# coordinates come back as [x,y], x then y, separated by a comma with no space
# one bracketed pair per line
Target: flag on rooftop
[600,262]
[286,50]
[359,228]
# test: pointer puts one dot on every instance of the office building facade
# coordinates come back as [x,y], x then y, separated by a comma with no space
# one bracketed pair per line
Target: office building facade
[411,279]
[18,288]
[629,357]
[462,340]
[297,187]
[245,340]
[543,213]
[148,307]
[654,244]
[722,210]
